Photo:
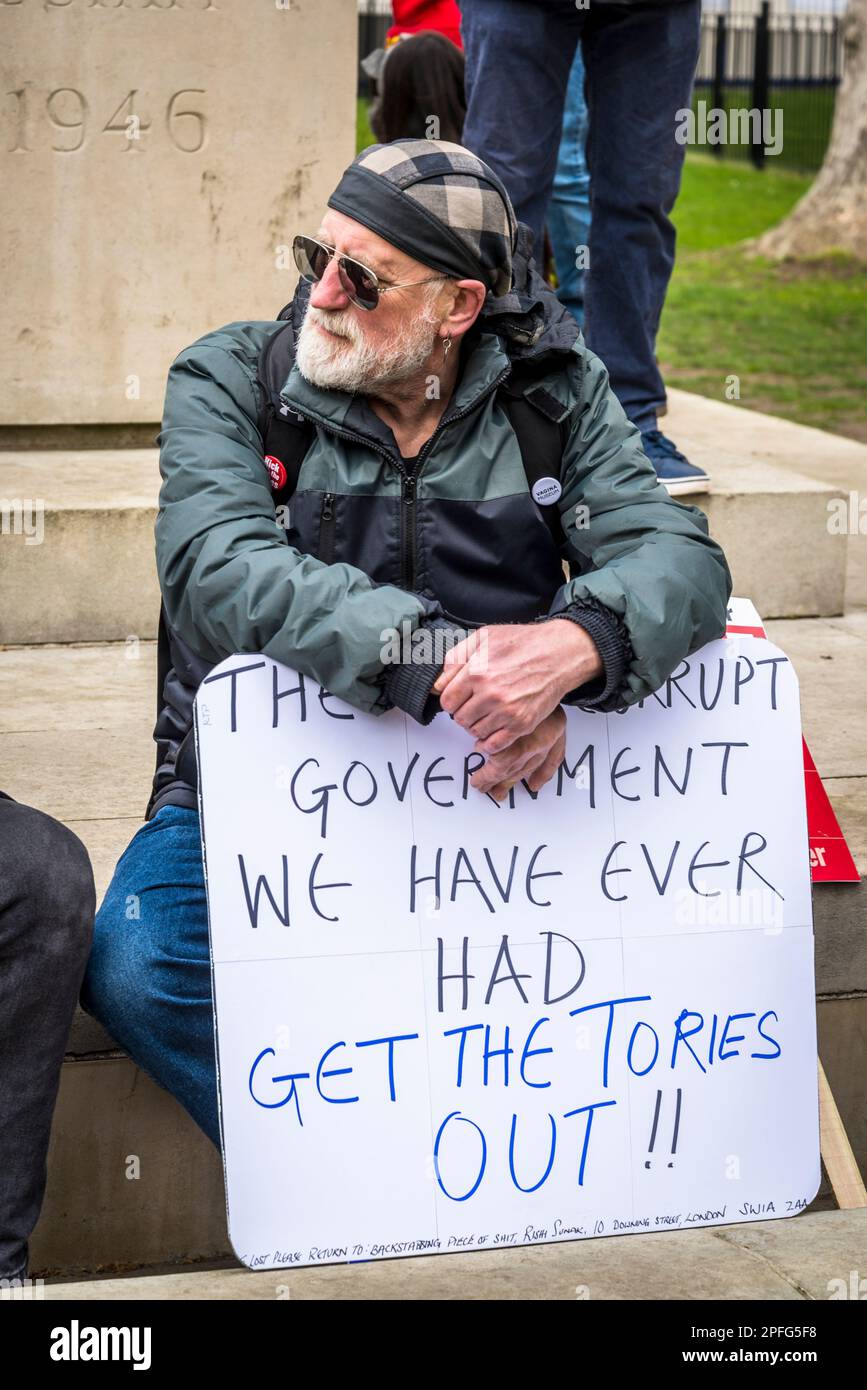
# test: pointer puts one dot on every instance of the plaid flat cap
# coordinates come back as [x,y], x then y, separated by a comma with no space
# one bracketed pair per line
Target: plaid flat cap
[437,202]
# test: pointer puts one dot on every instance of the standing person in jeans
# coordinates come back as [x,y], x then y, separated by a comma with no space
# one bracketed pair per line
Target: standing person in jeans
[47,903]
[569,209]
[640,62]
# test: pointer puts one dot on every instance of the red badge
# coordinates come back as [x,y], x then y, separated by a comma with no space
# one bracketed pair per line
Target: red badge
[276,472]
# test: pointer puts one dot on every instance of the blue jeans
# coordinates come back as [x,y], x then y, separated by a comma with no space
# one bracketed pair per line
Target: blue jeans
[639,61]
[148,980]
[569,209]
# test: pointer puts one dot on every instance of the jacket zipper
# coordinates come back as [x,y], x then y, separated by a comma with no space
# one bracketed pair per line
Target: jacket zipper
[326,529]
[407,531]
[408,511]
[409,548]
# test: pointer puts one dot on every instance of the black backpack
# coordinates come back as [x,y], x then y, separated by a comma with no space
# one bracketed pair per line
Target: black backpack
[539,420]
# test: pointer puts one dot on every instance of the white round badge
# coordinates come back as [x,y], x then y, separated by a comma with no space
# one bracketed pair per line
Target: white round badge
[545,491]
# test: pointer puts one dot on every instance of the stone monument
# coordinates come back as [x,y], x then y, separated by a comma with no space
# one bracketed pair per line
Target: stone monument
[157,158]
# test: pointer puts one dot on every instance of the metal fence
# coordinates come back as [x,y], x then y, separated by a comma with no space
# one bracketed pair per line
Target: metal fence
[374,21]
[789,64]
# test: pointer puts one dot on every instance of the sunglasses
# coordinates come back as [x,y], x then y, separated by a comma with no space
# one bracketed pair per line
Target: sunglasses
[361,286]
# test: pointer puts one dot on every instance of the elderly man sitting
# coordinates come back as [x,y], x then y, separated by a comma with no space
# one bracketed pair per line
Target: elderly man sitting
[417,444]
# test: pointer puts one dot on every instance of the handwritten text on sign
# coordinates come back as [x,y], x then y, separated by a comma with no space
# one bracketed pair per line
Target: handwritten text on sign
[446,1023]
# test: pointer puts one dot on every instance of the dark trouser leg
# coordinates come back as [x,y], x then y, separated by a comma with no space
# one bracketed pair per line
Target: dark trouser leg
[518,59]
[46,922]
[640,65]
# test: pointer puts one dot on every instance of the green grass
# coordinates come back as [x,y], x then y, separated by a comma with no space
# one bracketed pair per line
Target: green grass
[722,202]
[795,334]
[364,136]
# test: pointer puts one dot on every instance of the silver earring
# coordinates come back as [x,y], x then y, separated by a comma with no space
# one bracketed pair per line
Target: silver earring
[447,342]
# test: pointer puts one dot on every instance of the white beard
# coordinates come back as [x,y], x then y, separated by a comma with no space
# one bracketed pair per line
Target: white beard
[355,365]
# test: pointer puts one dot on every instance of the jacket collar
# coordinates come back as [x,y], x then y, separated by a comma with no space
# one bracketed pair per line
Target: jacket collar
[529,318]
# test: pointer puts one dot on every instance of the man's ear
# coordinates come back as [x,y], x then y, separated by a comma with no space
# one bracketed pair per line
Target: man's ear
[467,305]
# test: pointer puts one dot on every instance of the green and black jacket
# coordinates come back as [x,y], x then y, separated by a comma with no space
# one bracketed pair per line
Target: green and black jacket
[364,546]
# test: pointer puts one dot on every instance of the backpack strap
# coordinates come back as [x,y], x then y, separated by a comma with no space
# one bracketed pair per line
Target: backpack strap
[541,425]
[286,435]
[164,665]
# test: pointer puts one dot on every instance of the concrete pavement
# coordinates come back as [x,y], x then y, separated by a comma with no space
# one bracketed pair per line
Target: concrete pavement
[809,1257]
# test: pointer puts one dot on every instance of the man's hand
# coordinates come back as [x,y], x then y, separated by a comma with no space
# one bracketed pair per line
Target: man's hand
[535,758]
[502,681]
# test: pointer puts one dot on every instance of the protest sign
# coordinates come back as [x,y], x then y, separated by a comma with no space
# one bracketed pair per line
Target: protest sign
[444,1023]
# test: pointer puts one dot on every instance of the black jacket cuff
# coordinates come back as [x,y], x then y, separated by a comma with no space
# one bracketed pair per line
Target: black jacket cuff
[612,640]
[408,683]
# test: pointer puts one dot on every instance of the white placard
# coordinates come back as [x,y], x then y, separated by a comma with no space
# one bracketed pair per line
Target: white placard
[445,1023]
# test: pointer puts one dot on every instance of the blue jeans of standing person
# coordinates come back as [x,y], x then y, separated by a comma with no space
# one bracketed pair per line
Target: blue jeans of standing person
[569,208]
[148,980]
[640,61]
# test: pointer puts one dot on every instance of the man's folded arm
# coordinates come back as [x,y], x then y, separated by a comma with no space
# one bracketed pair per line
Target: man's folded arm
[657,585]
[230,580]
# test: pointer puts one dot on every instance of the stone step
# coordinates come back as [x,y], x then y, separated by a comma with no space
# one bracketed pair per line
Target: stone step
[708,429]
[77,564]
[98,508]
[75,740]
[792,1259]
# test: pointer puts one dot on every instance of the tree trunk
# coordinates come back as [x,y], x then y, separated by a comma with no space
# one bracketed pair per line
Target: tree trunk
[832,215]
